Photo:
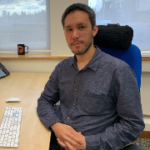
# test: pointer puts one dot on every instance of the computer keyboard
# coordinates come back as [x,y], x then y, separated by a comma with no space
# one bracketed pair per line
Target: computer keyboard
[10,127]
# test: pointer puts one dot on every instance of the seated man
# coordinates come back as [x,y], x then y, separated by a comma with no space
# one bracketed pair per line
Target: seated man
[100,107]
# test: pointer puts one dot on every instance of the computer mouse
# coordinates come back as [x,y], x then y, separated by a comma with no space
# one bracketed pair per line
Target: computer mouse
[13,99]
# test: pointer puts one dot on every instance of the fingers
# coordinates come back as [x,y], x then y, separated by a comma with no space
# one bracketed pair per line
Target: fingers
[77,136]
[69,146]
[61,143]
[74,138]
[74,132]
[70,139]
[66,145]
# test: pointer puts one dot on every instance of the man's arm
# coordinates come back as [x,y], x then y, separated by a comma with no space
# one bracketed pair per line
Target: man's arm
[130,118]
[50,96]
[47,112]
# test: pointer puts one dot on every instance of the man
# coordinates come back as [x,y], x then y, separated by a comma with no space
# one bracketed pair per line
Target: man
[100,106]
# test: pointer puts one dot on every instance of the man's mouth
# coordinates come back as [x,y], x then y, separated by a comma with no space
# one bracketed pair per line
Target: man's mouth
[75,44]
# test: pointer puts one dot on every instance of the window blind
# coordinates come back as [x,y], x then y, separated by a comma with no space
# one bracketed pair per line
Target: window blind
[24,22]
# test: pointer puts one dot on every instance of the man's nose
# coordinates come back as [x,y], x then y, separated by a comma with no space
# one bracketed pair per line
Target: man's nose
[75,34]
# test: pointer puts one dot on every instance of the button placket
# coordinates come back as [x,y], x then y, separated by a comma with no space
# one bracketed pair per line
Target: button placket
[75,95]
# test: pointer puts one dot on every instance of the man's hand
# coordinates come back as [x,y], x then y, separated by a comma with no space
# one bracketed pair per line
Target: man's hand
[69,145]
[68,138]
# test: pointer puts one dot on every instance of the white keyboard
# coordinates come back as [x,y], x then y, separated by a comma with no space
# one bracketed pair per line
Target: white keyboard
[10,127]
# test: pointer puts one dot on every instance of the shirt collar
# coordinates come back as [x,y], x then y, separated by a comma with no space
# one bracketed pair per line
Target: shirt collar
[93,64]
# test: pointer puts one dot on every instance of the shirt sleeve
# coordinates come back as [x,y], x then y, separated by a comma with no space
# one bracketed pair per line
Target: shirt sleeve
[50,96]
[130,117]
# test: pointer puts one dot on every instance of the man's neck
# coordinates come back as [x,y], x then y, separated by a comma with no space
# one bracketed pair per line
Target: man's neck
[83,60]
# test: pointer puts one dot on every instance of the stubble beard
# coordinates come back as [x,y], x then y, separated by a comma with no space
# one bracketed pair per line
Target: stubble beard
[84,50]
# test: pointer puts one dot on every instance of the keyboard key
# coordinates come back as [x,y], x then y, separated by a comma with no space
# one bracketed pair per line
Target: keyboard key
[8,140]
[6,135]
[16,140]
[13,137]
[3,132]
[13,140]
[4,144]
[12,144]
[8,144]
[16,145]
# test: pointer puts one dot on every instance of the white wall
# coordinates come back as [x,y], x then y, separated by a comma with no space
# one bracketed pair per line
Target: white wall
[37,66]
[145,97]
[145,92]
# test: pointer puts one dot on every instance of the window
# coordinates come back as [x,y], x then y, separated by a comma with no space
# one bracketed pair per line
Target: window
[24,22]
[135,13]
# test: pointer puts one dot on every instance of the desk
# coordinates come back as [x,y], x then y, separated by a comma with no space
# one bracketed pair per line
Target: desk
[28,87]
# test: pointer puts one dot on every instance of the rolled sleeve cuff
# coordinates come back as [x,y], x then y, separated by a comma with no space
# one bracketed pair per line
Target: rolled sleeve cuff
[92,142]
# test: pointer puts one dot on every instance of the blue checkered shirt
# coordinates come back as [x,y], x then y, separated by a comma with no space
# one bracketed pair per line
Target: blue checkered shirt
[102,101]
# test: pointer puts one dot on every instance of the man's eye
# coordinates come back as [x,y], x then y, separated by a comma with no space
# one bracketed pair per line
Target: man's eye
[69,29]
[82,27]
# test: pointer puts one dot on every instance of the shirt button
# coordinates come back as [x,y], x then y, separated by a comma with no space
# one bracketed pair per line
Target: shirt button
[75,89]
[68,118]
[74,104]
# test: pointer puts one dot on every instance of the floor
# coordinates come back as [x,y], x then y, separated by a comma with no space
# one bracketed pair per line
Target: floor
[145,143]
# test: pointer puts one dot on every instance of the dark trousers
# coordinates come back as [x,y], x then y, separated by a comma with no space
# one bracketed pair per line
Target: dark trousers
[53,143]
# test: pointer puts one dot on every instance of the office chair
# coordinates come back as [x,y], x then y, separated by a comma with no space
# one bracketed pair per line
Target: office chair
[132,56]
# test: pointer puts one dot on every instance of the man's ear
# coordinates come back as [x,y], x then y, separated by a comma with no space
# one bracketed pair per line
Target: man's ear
[95,30]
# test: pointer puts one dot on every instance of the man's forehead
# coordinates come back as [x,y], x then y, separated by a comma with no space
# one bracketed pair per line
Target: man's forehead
[76,18]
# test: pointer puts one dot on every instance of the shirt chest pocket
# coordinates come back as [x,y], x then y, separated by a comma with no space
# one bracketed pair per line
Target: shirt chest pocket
[96,104]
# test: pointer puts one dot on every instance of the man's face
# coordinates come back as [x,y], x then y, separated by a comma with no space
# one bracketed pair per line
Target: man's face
[78,32]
